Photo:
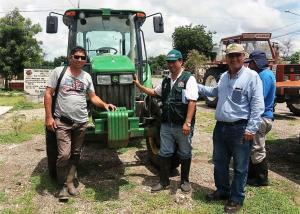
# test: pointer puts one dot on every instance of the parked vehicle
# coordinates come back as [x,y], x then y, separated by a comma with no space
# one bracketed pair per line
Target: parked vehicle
[287,76]
[116,50]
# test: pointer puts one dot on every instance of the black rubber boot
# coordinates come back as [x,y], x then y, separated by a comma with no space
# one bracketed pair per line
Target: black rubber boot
[185,171]
[261,174]
[164,174]
[62,173]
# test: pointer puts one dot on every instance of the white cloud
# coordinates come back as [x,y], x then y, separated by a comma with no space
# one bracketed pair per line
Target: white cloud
[227,17]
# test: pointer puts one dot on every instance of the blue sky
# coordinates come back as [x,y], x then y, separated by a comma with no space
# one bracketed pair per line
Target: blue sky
[226,17]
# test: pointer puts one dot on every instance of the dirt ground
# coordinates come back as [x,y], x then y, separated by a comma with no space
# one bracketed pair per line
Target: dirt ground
[107,168]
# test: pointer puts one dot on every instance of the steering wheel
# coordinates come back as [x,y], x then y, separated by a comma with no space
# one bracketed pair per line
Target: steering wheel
[103,50]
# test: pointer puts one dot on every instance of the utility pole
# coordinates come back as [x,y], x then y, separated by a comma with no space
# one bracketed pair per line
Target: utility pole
[288,11]
[78,3]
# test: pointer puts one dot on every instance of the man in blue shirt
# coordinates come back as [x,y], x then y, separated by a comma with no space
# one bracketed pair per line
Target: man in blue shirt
[258,168]
[240,105]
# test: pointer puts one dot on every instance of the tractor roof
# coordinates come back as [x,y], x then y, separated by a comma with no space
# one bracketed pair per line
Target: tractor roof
[247,37]
[106,11]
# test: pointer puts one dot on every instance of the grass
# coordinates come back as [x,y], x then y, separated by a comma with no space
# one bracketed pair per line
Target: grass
[26,132]
[271,136]
[2,197]
[206,121]
[198,152]
[18,102]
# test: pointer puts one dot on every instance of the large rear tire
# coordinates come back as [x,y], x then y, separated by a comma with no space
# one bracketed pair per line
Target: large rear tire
[211,78]
[153,149]
[294,108]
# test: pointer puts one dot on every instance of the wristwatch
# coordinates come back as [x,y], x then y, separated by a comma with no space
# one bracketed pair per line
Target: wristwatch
[188,124]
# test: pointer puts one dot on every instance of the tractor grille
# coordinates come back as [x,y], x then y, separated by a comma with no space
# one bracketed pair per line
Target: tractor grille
[121,95]
[292,69]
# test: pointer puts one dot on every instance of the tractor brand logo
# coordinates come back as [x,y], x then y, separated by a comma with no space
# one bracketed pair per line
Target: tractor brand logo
[181,84]
[28,72]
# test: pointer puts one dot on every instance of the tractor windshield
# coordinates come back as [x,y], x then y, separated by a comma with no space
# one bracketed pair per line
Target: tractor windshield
[251,46]
[112,35]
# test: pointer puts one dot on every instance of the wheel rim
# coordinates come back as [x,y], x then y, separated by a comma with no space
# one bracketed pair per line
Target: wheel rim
[153,146]
[296,106]
[211,81]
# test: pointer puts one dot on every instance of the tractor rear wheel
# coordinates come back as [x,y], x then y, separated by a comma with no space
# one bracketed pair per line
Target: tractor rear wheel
[153,149]
[294,108]
[211,78]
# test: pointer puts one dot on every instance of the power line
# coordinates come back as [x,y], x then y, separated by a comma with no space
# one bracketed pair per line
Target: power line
[297,31]
[279,28]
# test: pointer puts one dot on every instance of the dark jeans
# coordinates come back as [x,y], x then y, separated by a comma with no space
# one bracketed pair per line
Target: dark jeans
[228,142]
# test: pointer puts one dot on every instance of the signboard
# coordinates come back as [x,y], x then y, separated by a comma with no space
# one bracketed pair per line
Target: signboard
[35,81]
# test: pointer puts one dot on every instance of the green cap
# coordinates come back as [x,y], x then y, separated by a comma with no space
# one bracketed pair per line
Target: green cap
[174,55]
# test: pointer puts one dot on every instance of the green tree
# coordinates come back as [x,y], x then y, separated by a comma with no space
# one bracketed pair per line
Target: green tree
[186,38]
[194,61]
[158,63]
[18,45]
[295,58]
[58,61]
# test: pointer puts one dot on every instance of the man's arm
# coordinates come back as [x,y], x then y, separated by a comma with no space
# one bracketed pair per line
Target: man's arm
[100,103]
[257,107]
[189,116]
[150,91]
[208,91]
[49,120]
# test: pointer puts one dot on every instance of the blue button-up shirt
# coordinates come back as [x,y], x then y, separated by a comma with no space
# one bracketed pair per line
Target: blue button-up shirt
[238,98]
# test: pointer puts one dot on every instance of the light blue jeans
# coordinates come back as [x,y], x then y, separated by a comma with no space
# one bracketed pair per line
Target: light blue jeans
[171,136]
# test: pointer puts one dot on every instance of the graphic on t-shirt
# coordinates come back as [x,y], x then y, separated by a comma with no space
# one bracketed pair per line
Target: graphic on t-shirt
[73,86]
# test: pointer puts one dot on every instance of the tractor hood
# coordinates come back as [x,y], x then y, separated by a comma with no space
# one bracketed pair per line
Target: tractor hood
[112,63]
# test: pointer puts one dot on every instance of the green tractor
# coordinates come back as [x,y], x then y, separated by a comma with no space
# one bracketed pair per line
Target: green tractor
[116,52]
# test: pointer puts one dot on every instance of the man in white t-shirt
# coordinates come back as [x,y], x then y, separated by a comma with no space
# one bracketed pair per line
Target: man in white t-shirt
[70,117]
[179,94]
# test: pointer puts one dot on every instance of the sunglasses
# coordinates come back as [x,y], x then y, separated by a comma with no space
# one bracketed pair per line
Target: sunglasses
[79,57]
[233,55]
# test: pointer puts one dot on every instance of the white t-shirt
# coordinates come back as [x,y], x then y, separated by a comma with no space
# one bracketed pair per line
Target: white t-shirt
[191,90]
[71,98]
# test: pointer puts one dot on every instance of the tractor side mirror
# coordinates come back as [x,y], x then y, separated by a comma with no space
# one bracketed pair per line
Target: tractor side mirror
[52,23]
[158,24]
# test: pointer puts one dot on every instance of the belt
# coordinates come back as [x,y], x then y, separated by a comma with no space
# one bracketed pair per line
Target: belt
[238,122]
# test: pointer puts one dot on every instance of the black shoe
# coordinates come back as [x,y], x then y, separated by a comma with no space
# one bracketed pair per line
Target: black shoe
[232,207]
[63,195]
[158,187]
[186,187]
[216,196]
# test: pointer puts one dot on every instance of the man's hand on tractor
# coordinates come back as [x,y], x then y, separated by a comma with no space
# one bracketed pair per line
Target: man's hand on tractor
[136,80]
[110,107]
[51,124]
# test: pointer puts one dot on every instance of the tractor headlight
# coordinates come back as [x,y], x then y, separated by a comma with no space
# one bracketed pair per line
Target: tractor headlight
[125,79]
[103,80]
